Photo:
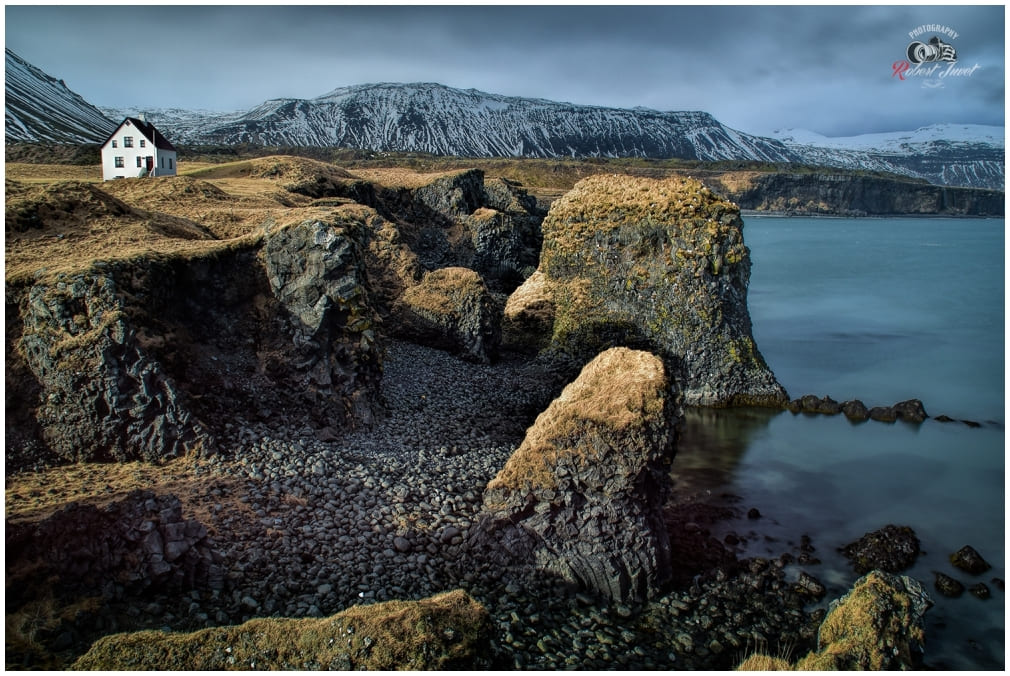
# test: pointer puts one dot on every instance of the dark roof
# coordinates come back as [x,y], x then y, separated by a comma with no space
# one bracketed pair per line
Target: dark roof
[148,130]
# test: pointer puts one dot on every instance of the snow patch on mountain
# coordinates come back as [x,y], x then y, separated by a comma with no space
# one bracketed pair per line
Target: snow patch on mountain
[38,107]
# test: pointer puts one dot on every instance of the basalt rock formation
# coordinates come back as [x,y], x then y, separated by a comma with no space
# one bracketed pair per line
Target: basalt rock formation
[658,265]
[149,357]
[138,543]
[583,496]
[878,625]
[448,631]
[451,309]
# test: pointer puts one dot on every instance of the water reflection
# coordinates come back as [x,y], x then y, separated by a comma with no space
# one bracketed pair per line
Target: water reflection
[711,444]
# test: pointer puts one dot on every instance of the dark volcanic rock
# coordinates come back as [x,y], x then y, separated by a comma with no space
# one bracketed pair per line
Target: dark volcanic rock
[152,357]
[139,542]
[855,411]
[891,549]
[883,414]
[969,560]
[657,265]
[451,309]
[103,396]
[810,403]
[947,585]
[910,411]
[317,274]
[980,591]
[583,495]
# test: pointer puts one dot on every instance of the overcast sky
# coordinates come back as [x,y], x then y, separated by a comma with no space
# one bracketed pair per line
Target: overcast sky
[827,69]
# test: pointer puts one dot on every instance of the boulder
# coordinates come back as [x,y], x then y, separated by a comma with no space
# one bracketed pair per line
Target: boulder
[447,631]
[151,356]
[878,625]
[529,316]
[855,411]
[969,560]
[910,411]
[947,585]
[451,309]
[891,549]
[657,265]
[583,495]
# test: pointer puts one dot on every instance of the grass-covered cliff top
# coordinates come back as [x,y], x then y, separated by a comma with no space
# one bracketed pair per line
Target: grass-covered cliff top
[615,199]
[62,218]
[617,396]
[448,631]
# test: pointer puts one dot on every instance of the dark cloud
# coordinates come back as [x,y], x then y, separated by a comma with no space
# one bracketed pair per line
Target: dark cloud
[755,68]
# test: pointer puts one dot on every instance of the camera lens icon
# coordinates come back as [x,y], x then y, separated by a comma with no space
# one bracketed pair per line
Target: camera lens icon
[935,50]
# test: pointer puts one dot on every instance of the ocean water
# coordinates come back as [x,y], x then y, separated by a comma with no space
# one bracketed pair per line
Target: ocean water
[881,310]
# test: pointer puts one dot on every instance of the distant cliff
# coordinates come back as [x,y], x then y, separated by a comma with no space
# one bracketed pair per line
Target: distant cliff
[853,195]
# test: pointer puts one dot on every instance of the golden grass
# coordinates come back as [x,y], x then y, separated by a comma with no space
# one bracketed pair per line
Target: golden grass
[33,497]
[621,391]
[442,291]
[399,177]
[52,173]
[440,632]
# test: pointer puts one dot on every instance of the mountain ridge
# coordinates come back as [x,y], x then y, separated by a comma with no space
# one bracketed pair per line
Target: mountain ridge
[441,120]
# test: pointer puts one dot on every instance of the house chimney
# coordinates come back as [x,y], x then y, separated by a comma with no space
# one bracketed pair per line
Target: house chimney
[142,117]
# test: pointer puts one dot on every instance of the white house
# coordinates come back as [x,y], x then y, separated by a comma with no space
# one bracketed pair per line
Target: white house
[136,148]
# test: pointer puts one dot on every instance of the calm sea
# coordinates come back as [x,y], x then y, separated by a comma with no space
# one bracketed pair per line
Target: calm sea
[880,310]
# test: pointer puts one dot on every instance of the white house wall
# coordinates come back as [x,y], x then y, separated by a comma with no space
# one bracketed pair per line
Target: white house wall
[162,165]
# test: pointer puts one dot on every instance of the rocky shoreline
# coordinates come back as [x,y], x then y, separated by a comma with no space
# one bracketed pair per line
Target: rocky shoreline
[309,528]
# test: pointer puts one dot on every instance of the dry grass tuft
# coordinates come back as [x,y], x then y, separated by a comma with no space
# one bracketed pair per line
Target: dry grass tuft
[619,393]
[443,632]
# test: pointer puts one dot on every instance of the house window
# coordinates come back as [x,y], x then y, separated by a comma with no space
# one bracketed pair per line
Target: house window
[115,143]
[119,163]
[162,162]
[127,141]
[139,164]
[143,143]
[170,163]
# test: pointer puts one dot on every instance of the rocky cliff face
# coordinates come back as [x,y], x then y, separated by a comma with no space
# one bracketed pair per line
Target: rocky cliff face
[582,497]
[151,357]
[659,265]
[845,195]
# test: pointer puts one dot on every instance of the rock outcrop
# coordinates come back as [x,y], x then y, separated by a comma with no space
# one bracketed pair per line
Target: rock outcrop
[582,497]
[848,195]
[448,631]
[450,309]
[102,396]
[891,549]
[317,274]
[658,265]
[878,625]
[141,542]
[154,356]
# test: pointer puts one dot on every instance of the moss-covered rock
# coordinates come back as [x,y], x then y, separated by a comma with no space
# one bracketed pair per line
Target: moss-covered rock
[582,496]
[659,265]
[878,625]
[451,309]
[448,631]
[529,316]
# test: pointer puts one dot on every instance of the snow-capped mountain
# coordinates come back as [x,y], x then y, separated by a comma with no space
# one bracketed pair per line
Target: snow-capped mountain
[436,119]
[38,107]
[441,120]
[945,154]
